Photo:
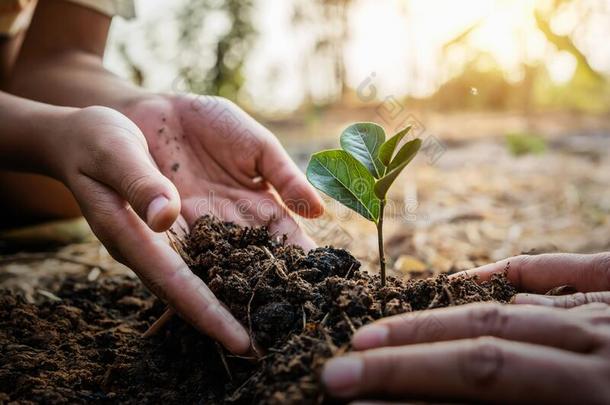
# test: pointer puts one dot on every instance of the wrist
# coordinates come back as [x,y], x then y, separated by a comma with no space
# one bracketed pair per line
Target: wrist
[57,146]
[29,129]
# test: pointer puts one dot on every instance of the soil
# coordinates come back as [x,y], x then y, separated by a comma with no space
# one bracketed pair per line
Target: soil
[85,344]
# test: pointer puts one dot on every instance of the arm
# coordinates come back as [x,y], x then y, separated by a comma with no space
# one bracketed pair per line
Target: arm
[61,59]
[103,159]
[24,139]
[220,159]
[205,145]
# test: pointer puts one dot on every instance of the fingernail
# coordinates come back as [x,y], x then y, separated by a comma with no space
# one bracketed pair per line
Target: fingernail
[533,299]
[342,375]
[370,336]
[154,208]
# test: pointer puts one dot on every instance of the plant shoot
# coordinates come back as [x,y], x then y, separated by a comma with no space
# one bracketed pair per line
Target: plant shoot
[360,174]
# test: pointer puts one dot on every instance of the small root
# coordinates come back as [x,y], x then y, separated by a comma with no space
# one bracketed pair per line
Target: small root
[249,310]
[324,319]
[329,341]
[450,296]
[268,253]
[224,360]
[304,317]
[349,271]
[276,263]
[434,301]
[349,322]
[160,323]
[235,395]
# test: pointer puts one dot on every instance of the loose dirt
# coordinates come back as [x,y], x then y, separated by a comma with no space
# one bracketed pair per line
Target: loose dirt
[85,345]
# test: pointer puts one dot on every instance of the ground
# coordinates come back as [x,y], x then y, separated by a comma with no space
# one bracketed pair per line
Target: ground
[466,202]
[473,203]
[84,342]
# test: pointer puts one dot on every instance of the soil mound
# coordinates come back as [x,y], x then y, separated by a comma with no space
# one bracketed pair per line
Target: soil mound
[300,309]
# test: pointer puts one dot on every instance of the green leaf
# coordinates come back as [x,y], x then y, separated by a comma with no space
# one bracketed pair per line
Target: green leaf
[363,140]
[387,149]
[405,154]
[402,159]
[342,177]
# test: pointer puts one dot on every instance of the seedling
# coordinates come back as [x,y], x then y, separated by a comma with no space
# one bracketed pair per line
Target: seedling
[360,174]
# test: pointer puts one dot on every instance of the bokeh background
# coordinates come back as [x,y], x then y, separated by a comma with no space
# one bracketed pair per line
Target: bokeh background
[511,98]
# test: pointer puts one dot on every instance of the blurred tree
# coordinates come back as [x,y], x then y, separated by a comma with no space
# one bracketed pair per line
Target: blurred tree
[327,21]
[587,89]
[136,75]
[211,62]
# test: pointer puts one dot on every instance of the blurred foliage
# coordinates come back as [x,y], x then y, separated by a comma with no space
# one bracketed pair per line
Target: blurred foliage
[212,64]
[326,21]
[522,143]
[493,91]
[211,59]
[565,43]
[587,90]
[136,75]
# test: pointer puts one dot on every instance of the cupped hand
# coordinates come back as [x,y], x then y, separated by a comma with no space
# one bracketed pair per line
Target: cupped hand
[225,163]
[103,158]
[557,352]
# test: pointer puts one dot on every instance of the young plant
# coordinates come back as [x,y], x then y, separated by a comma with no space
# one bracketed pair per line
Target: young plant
[360,174]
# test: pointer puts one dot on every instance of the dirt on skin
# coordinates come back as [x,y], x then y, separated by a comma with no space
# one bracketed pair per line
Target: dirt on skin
[300,309]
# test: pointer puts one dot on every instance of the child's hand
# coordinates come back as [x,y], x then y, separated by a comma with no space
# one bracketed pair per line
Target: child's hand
[103,159]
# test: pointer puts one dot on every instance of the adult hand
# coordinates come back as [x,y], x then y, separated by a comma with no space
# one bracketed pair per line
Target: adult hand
[103,158]
[489,352]
[225,163]
[538,274]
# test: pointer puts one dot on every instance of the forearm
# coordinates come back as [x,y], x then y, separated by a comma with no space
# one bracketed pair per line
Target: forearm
[61,60]
[27,128]
[72,78]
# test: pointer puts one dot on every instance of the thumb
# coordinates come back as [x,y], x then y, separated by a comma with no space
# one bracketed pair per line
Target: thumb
[277,168]
[129,170]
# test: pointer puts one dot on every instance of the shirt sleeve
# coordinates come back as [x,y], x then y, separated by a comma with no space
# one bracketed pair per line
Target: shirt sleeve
[15,15]
[111,8]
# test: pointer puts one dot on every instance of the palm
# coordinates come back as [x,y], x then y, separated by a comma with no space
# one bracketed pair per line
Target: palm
[223,162]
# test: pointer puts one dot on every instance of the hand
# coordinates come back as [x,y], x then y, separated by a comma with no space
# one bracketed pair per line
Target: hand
[225,163]
[103,159]
[490,352]
[587,274]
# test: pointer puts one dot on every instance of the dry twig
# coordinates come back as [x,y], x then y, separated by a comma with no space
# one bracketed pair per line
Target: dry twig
[169,312]
[221,353]
[349,322]
[159,323]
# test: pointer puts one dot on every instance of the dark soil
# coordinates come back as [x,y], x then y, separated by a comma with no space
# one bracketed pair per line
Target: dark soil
[301,309]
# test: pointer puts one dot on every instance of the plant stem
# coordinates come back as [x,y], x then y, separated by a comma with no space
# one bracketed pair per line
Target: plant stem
[380,240]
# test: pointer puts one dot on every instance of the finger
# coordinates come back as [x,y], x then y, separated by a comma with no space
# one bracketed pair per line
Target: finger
[157,264]
[541,273]
[473,369]
[265,208]
[281,172]
[539,325]
[124,164]
[295,235]
[563,301]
